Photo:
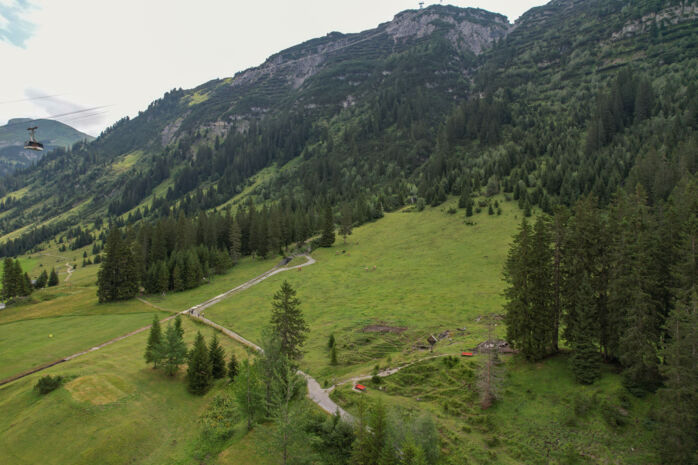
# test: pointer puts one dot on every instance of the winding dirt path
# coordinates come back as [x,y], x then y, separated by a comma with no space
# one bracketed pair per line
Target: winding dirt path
[69,268]
[316,393]
[277,269]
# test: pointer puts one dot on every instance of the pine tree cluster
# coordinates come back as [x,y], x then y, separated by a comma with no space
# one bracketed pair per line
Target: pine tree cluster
[623,282]
[15,282]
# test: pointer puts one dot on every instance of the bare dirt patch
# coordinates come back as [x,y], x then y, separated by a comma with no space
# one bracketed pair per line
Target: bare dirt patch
[98,389]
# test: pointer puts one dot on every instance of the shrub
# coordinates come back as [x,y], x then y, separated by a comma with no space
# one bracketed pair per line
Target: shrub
[48,383]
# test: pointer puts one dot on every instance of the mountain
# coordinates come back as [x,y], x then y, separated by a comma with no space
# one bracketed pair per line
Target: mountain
[51,133]
[576,97]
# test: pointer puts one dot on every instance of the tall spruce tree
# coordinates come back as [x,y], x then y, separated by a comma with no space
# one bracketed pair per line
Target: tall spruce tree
[287,321]
[9,280]
[678,442]
[328,237]
[585,360]
[118,276]
[217,356]
[530,312]
[233,367]
[630,298]
[173,351]
[199,371]
[53,278]
[153,351]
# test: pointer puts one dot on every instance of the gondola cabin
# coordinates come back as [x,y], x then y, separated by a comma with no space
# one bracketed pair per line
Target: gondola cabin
[32,143]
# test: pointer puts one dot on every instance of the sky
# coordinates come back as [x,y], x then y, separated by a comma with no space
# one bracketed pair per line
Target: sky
[89,63]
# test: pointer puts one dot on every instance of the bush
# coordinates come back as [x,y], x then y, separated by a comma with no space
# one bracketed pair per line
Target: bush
[219,419]
[450,361]
[48,383]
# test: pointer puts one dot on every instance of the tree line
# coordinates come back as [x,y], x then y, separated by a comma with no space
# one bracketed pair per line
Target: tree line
[620,285]
[174,254]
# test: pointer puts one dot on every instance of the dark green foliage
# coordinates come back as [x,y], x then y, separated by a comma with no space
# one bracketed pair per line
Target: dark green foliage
[335,438]
[118,276]
[15,283]
[331,341]
[217,356]
[53,278]
[173,351]
[152,349]
[585,360]
[287,321]
[531,318]
[199,370]
[48,383]
[42,280]
[333,355]
[233,367]
[679,397]
[249,393]
[328,237]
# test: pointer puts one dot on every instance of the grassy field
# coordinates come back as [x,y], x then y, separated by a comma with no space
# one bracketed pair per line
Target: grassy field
[421,273]
[115,410]
[395,282]
[542,416]
[59,321]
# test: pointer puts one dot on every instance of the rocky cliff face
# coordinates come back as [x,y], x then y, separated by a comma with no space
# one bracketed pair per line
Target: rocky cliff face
[470,30]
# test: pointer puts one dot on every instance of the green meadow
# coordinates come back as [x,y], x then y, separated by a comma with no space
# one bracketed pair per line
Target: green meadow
[395,282]
[420,273]
[114,410]
[542,416]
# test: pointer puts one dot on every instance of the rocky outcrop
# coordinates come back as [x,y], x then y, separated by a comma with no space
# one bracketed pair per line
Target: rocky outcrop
[673,15]
[467,29]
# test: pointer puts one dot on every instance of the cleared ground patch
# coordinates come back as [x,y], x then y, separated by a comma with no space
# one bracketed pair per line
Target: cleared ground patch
[99,389]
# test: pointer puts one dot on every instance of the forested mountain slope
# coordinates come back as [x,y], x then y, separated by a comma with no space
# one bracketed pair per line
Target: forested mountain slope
[573,98]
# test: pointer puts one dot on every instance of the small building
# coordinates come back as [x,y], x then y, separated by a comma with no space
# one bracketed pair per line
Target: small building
[360,387]
[466,354]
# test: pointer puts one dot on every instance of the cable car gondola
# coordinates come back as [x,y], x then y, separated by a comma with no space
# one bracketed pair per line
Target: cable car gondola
[32,143]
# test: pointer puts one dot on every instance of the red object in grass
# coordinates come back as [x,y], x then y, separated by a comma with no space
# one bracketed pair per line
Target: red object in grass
[360,387]
[466,354]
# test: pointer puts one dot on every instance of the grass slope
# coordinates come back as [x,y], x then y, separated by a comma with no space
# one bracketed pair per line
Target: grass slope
[116,410]
[432,273]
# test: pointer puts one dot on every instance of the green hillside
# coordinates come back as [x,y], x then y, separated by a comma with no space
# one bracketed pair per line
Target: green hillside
[53,134]
[426,141]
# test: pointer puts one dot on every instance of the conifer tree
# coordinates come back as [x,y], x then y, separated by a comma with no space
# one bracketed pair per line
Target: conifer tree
[530,314]
[152,349]
[8,279]
[333,355]
[678,416]
[118,276]
[328,237]
[178,326]
[233,367]
[42,280]
[287,321]
[217,356]
[173,351]
[585,361]
[199,371]
[248,393]
[53,278]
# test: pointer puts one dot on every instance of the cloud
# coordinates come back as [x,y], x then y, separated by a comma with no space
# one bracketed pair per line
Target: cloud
[14,27]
